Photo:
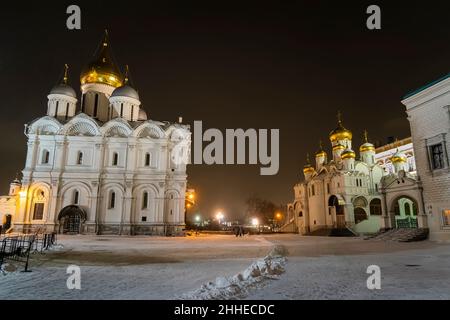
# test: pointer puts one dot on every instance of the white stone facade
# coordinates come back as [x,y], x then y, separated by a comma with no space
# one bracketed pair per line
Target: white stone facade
[428,112]
[105,169]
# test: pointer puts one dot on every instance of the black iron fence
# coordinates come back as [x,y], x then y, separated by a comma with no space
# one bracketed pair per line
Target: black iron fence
[17,248]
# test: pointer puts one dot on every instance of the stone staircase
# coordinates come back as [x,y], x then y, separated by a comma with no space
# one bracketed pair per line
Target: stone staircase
[400,235]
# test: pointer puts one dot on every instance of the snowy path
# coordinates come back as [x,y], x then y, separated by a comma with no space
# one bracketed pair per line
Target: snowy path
[133,268]
[195,267]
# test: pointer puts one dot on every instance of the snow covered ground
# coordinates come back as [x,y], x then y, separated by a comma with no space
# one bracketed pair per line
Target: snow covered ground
[226,267]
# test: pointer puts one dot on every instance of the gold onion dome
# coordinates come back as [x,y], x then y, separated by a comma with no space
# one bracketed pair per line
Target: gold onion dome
[398,157]
[102,68]
[348,154]
[340,133]
[338,147]
[320,153]
[366,146]
[308,168]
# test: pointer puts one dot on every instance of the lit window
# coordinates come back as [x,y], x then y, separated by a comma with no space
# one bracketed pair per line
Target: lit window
[446,217]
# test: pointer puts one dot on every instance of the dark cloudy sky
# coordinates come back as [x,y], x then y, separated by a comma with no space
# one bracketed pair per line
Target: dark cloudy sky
[233,65]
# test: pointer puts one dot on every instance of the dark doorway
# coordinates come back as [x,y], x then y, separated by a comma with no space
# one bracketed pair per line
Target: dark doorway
[7,224]
[70,219]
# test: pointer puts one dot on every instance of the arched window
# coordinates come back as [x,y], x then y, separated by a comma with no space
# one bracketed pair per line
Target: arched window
[45,157]
[115,159]
[147,159]
[76,197]
[80,158]
[145,200]
[407,209]
[300,214]
[112,200]
[375,207]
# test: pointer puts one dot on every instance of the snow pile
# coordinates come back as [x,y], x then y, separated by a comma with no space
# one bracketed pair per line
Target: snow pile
[7,268]
[237,286]
[56,247]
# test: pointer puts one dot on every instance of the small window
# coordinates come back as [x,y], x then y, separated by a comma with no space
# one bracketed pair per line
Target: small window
[80,158]
[313,190]
[38,213]
[56,108]
[407,209]
[446,218]
[96,105]
[82,102]
[437,156]
[45,157]
[147,159]
[300,214]
[328,188]
[76,197]
[115,159]
[145,200]
[112,200]
[67,110]
[144,219]
[121,110]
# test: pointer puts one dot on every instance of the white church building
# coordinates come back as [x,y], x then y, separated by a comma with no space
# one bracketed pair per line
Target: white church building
[100,166]
[363,195]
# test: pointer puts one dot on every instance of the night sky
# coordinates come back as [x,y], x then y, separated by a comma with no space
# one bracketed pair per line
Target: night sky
[232,65]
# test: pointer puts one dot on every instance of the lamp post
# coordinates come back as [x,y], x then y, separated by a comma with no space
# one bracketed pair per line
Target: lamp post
[189,202]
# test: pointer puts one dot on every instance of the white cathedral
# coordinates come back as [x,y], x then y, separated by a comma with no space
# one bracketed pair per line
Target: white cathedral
[378,191]
[102,168]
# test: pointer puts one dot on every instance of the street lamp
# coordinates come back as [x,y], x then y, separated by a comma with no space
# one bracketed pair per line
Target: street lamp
[219,216]
[255,222]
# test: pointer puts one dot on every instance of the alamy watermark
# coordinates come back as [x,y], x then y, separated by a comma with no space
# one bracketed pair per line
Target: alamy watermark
[235,147]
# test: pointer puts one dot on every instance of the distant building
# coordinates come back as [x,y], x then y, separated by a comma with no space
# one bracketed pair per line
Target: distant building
[428,110]
[101,167]
[384,153]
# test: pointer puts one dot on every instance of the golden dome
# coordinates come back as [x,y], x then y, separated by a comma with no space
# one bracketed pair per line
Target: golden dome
[398,157]
[366,146]
[102,68]
[338,147]
[348,154]
[308,168]
[321,153]
[340,133]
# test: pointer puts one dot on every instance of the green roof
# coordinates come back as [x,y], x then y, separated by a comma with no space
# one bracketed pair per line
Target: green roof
[426,86]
